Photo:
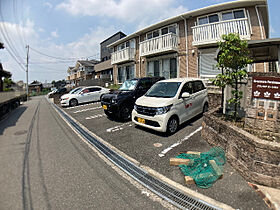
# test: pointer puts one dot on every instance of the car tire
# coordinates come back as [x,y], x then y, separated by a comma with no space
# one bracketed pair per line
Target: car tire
[205,108]
[73,102]
[125,113]
[172,125]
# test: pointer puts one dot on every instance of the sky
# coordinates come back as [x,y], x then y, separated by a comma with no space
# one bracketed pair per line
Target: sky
[59,32]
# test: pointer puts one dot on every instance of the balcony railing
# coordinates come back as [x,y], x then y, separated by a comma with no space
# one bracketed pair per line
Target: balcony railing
[165,43]
[212,33]
[126,54]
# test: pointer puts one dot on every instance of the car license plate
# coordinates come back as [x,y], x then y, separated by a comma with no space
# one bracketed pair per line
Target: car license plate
[141,120]
[105,107]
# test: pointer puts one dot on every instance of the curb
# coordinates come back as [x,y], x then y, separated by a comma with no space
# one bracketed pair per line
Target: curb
[153,172]
[265,196]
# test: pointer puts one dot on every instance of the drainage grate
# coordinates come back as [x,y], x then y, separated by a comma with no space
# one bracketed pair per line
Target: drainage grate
[160,188]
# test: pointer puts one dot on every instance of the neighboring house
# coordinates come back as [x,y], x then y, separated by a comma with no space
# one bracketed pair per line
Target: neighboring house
[84,70]
[187,45]
[35,87]
[104,69]
[47,86]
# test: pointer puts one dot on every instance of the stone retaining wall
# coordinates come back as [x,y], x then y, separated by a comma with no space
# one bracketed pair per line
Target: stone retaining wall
[256,160]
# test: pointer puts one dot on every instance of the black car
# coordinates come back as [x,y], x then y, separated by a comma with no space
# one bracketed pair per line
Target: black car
[120,103]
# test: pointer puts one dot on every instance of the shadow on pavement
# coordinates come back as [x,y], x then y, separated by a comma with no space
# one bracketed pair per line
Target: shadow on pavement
[11,119]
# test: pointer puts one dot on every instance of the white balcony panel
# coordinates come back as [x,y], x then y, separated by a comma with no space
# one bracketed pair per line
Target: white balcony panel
[126,54]
[165,43]
[212,33]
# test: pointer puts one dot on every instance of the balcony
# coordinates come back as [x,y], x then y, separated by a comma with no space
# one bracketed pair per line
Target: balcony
[158,45]
[212,33]
[126,54]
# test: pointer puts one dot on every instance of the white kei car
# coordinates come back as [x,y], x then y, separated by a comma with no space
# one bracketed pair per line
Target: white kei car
[169,103]
[81,95]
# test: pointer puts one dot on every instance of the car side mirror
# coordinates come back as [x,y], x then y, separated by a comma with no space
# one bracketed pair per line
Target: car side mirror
[185,95]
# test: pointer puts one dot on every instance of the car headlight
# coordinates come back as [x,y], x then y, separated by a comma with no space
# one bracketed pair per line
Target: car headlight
[163,110]
[114,100]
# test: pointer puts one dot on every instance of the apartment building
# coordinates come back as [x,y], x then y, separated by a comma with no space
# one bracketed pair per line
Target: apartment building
[187,45]
[104,69]
[83,70]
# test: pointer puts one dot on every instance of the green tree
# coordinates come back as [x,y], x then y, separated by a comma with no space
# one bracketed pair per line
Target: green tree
[7,84]
[232,60]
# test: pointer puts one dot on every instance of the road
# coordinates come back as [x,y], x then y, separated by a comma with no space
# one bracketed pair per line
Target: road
[45,165]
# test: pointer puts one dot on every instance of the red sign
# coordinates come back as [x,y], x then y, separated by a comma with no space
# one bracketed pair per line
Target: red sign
[266,88]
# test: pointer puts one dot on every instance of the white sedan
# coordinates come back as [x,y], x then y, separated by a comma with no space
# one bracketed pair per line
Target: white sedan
[81,95]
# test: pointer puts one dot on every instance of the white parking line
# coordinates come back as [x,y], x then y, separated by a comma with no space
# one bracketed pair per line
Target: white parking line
[72,107]
[179,142]
[119,127]
[95,116]
[88,109]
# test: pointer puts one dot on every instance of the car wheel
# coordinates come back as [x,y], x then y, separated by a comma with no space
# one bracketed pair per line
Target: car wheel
[73,102]
[125,113]
[205,108]
[172,125]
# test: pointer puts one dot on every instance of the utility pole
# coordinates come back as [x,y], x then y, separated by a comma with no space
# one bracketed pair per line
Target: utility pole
[27,60]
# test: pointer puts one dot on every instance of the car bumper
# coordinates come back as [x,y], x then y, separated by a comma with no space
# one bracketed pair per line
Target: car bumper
[64,102]
[110,108]
[157,122]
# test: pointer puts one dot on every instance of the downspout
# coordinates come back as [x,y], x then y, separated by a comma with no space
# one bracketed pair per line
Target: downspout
[262,35]
[139,57]
[187,53]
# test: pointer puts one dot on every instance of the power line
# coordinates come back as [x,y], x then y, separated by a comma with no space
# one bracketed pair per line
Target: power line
[61,58]
[22,68]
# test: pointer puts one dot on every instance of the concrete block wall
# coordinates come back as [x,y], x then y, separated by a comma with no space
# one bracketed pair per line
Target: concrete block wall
[255,159]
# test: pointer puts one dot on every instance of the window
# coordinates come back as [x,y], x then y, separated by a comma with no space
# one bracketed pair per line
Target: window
[156,33]
[162,31]
[125,73]
[166,68]
[203,20]
[187,88]
[227,16]
[239,14]
[172,29]
[213,18]
[94,89]
[149,35]
[198,86]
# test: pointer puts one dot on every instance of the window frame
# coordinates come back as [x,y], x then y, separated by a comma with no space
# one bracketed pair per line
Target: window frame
[221,17]
[160,31]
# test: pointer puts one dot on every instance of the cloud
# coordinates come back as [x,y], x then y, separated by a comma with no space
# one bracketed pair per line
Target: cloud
[43,67]
[125,10]
[272,30]
[54,34]
[48,4]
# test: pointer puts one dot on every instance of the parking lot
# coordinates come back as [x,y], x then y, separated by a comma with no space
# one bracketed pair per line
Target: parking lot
[154,149]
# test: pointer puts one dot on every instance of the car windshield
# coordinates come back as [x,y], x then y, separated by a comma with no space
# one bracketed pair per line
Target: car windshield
[163,90]
[74,91]
[128,85]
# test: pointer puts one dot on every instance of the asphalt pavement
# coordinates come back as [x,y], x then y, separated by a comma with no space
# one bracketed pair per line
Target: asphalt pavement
[45,165]
[154,149]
